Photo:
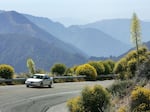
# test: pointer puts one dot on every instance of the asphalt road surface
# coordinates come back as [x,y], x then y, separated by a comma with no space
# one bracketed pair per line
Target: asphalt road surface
[21,99]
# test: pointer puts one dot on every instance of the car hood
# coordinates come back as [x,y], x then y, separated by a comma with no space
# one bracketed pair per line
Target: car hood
[34,80]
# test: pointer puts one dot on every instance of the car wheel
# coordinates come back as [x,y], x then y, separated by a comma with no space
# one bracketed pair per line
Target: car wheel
[27,86]
[50,85]
[41,84]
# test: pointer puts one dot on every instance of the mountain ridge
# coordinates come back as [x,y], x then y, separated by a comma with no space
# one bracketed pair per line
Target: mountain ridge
[119,28]
[75,35]
[20,43]
[44,56]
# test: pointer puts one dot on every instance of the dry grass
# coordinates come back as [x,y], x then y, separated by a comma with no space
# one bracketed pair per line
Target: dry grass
[125,101]
[147,85]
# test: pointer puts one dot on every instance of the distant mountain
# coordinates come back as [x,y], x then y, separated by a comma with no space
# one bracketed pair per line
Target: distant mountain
[92,41]
[68,21]
[148,44]
[96,42]
[54,28]
[20,39]
[16,48]
[120,29]
[93,58]
[17,23]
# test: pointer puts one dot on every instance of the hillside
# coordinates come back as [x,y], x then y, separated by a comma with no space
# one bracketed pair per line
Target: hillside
[148,44]
[16,48]
[96,42]
[92,41]
[17,31]
[15,22]
[54,28]
[119,29]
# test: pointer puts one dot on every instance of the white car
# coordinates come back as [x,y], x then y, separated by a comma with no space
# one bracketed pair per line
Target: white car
[39,80]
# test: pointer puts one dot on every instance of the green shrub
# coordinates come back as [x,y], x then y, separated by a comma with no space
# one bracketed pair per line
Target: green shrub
[120,88]
[140,99]
[75,105]
[6,71]
[95,99]
[73,69]
[125,75]
[68,72]
[132,66]
[122,76]
[120,66]
[108,69]
[111,63]
[58,69]
[142,108]
[87,70]
[127,66]
[98,66]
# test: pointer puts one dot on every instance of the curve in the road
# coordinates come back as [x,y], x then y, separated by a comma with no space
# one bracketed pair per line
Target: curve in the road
[22,99]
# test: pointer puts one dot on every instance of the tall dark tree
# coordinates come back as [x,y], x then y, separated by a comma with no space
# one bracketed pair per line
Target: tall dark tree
[136,34]
[58,69]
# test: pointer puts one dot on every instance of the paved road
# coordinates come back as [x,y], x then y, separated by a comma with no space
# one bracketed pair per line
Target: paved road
[21,99]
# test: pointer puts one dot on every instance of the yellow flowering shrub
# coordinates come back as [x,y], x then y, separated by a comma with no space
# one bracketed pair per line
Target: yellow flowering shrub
[140,99]
[122,109]
[6,71]
[87,70]
[92,99]
[74,104]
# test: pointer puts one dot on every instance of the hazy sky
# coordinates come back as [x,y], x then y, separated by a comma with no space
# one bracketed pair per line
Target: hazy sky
[79,11]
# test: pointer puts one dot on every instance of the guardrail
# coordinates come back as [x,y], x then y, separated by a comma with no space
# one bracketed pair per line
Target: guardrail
[11,80]
[68,77]
[110,76]
[56,77]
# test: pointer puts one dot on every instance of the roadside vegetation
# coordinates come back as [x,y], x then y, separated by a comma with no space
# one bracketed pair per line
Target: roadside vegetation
[131,90]
[129,93]
[91,71]
[6,71]
[92,99]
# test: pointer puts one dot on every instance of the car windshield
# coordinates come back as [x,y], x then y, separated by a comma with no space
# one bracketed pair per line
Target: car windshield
[37,77]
